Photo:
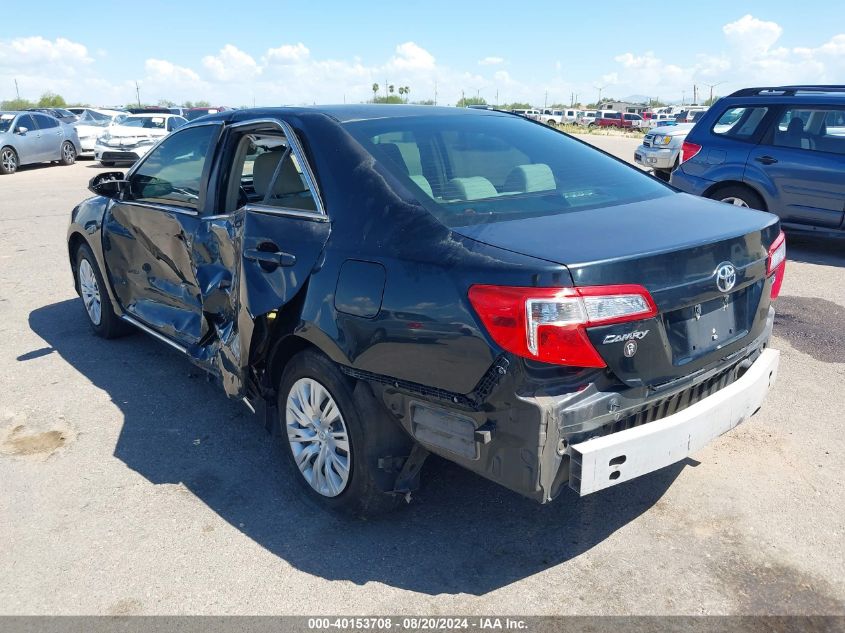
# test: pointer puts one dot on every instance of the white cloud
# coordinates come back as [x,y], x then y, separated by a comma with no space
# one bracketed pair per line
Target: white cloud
[28,52]
[288,54]
[751,36]
[231,63]
[167,72]
[412,56]
[491,61]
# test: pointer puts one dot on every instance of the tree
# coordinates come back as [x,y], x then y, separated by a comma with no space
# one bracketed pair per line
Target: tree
[202,104]
[375,92]
[51,100]
[16,104]
[388,99]
[468,101]
[166,103]
[188,104]
[429,102]
[407,91]
[390,88]
[711,100]
[517,106]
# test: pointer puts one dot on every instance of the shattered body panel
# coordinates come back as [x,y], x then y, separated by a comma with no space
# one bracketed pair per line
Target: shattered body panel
[379,285]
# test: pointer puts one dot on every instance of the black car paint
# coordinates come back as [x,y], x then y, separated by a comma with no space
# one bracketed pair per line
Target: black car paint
[380,287]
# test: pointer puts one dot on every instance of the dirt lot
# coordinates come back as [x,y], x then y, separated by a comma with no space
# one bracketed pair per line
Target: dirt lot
[131,485]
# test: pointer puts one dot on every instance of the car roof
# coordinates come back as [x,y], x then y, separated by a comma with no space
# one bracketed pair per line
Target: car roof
[790,94]
[349,113]
[150,115]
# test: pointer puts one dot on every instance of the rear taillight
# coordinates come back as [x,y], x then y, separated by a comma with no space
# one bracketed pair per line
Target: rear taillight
[688,150]
[777,263]
[550,324]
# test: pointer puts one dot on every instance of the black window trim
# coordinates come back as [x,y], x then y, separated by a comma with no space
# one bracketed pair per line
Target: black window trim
[206,170]
[295,146]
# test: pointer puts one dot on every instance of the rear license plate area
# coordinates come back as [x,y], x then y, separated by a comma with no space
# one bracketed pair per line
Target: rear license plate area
[701,328]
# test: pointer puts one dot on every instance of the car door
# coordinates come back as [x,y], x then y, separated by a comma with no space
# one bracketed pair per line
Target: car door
[27,143]
[148,236]
[51,136]
[256,250]
[801,161]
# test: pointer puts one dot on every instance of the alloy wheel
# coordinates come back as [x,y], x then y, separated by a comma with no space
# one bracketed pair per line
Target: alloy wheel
[68,153]
[737,202]
[9,160]
[318,437]
[90,292]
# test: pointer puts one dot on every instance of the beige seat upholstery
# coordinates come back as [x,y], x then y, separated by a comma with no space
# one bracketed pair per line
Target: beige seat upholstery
[530,178]
[289,190]
[407,157]
[472,188]
[263,169]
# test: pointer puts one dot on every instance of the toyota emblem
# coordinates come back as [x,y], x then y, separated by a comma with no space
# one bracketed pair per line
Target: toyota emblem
[725,277]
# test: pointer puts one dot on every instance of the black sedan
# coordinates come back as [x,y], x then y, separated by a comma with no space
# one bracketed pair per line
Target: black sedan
[382,282]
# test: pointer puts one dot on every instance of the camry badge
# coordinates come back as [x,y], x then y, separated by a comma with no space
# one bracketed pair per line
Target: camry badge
[725,276]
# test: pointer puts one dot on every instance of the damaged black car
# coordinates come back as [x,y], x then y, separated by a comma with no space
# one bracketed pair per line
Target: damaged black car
[385,282]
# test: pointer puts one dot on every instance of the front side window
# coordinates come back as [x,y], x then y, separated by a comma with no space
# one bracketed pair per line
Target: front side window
[267,172]
[740,123]
[494,168]
[815,129]
[26,120]
[172,173]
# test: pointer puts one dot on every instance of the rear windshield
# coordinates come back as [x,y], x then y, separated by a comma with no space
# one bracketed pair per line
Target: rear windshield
[480,169]
[154,122]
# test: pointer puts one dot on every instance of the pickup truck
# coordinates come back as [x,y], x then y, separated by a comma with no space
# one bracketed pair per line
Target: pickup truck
[619,119]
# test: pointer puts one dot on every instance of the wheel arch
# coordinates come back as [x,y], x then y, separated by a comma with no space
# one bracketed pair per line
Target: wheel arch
[736,183]
[74,241]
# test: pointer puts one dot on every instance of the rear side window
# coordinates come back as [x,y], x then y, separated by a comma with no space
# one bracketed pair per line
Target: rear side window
[172,173]
[267,172]
[45,122]
[479,169]
[740,123]
[819,129]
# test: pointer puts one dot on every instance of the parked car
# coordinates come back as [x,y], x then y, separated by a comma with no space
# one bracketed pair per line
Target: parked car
[544,315]
[33,137]
[91,124]
[559,117]
[132,136]
[661,147]
[195,113]
[777,149]
[659,119]
[60,114]
[528,114]
[586,118]
[626,120]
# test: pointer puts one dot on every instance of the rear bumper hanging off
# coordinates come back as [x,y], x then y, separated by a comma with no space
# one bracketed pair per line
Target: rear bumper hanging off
[605,461]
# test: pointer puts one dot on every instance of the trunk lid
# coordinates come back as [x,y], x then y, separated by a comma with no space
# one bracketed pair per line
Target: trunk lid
[674,247]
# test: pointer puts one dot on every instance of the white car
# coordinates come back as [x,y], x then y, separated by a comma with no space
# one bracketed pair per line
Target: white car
[91,124]
[586,117]
[661,149]
[132,137]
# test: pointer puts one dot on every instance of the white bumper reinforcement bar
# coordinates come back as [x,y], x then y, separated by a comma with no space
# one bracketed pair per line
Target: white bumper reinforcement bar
[606,461]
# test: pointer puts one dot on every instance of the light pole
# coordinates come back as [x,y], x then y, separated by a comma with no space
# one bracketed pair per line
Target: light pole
[711,89]
[600,88]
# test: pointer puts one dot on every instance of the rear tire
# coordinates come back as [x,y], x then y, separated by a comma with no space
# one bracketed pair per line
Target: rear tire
[738,196]
[68,153]
[107,163]
[8,161]
[95,298]
[330,450]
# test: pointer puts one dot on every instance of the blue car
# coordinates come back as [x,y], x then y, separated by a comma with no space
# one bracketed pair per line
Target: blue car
[777,149]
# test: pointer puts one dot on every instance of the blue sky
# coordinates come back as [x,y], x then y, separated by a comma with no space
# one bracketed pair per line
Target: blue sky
[283,52]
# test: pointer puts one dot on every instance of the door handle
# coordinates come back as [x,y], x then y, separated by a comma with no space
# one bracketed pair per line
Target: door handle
[766,160]
[270,258]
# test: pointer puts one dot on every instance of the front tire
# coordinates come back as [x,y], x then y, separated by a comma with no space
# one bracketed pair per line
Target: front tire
[330,450]
[68,153]
[107,163]
[95,298]
[8,161]
[738,196]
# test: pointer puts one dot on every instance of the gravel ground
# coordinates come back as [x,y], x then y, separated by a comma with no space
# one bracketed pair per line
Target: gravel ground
[130,485]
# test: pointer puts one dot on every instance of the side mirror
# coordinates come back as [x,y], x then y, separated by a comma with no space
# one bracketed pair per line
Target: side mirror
[109,184]
[22,130]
